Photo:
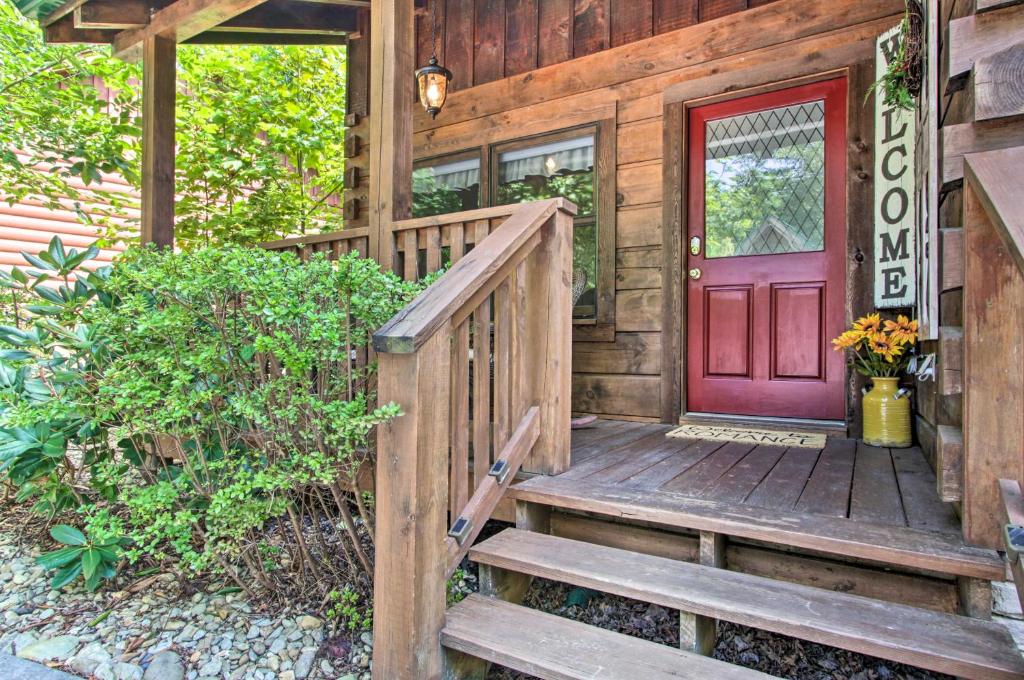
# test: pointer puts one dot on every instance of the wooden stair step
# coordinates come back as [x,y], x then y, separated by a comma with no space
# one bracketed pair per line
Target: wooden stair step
[891,545]
[554,648]
[958,645]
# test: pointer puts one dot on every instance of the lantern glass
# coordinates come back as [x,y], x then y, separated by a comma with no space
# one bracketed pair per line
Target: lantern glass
[432,80]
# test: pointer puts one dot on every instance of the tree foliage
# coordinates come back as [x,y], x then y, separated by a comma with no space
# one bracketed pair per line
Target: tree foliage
[260,133]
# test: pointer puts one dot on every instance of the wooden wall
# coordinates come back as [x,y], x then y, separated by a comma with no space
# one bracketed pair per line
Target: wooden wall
[621,372]
[485,40]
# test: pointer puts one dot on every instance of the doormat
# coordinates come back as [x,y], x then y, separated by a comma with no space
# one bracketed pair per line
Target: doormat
[741,434]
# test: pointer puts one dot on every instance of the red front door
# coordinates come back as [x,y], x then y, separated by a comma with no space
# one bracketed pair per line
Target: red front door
[765,254]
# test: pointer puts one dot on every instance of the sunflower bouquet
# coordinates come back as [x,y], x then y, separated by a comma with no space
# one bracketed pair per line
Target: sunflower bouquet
[881,347]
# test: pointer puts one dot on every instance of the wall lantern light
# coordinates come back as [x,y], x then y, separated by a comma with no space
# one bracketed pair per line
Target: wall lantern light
[433,86]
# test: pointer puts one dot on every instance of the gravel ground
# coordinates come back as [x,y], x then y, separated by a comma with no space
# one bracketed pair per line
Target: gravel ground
[777,655]
[157,629]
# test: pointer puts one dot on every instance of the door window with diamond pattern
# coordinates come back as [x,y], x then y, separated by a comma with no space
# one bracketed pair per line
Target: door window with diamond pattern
[764,182]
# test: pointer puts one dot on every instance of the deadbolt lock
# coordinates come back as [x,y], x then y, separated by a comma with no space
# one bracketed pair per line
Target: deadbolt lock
[695,245]
[695,273]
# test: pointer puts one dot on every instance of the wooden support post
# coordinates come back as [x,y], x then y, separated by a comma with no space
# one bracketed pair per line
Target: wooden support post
[533,517]
[993,377]
[412,473]
[392,45]
[700,633]
[975,596]
[548,307]
[159,84]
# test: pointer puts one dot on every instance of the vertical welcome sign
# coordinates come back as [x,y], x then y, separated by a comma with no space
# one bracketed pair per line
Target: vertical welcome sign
[895,225]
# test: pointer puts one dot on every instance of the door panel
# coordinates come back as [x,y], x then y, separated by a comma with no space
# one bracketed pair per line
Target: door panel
[767,206]
[798,316]
[728,312]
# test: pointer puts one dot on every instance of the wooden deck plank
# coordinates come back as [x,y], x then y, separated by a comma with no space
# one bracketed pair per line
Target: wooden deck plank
[620,447]
[781,489]
[622,433]
[585,436]
[642,458]
[695,480]
[922,505]
[828,490]
[672,466]
[875,495]
[736,484]
[898,546]
[551,647]
[947,643]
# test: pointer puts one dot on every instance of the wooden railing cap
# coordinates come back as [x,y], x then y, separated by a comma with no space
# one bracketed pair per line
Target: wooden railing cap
[412,326]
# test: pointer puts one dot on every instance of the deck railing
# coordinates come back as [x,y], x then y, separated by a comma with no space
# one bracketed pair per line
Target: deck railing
[993,366]
[334,243]
[480,366]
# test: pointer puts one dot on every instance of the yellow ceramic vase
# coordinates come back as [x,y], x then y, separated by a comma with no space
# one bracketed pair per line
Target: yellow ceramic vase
[886,417]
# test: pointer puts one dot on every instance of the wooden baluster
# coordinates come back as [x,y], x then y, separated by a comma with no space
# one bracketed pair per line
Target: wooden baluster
[481,228]
[433,245]
[412,475]
[412,259]
[481,391]
[363,246]
[304,252]
[457,239]
[502,375]
[517,356]
[458,489]
[336,249]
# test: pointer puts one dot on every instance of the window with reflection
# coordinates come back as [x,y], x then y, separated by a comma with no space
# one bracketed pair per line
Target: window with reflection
[559,166]
[764,188]
[446,185]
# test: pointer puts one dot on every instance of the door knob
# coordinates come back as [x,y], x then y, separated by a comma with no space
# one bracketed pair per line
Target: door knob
[695,273]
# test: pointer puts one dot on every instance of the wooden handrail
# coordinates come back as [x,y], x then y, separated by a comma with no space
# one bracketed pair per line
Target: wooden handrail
[451,218]
[310,239]
[480,366]
[475,276]
[995,178]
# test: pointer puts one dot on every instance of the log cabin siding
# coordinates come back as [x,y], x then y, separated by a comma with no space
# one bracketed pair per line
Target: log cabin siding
[486,40]
[621,372]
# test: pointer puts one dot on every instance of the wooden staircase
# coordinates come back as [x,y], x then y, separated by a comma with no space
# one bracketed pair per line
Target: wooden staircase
[491,627]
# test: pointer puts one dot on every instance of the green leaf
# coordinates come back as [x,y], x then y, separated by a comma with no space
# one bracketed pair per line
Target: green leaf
[56,251]
[55,447]
[66,575]
[91,559]
[62,533]
[59,558]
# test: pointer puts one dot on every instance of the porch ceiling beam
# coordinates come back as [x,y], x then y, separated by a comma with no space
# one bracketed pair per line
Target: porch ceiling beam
[180,21]
[273,16]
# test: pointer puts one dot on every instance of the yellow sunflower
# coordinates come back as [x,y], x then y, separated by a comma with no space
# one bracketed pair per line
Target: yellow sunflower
[848,339]
[868,325]
[883,346]
[902,331]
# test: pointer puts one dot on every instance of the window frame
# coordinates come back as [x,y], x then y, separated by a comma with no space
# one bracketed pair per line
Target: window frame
[476,153]
[601,327]
[497,149]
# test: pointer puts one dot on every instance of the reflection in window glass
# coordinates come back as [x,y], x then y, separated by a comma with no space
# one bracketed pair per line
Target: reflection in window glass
[764,182]
[564,168]
[446,187]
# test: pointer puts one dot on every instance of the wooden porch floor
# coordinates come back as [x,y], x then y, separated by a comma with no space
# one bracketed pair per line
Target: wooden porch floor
[845,479]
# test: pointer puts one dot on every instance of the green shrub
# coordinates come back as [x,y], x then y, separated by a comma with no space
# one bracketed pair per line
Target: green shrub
[213,400]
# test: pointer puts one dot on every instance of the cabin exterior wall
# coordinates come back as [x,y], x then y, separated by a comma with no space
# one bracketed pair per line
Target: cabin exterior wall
[631,366]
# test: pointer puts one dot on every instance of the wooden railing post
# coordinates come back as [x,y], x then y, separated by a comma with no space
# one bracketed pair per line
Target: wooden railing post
[547,345]
[412,485]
